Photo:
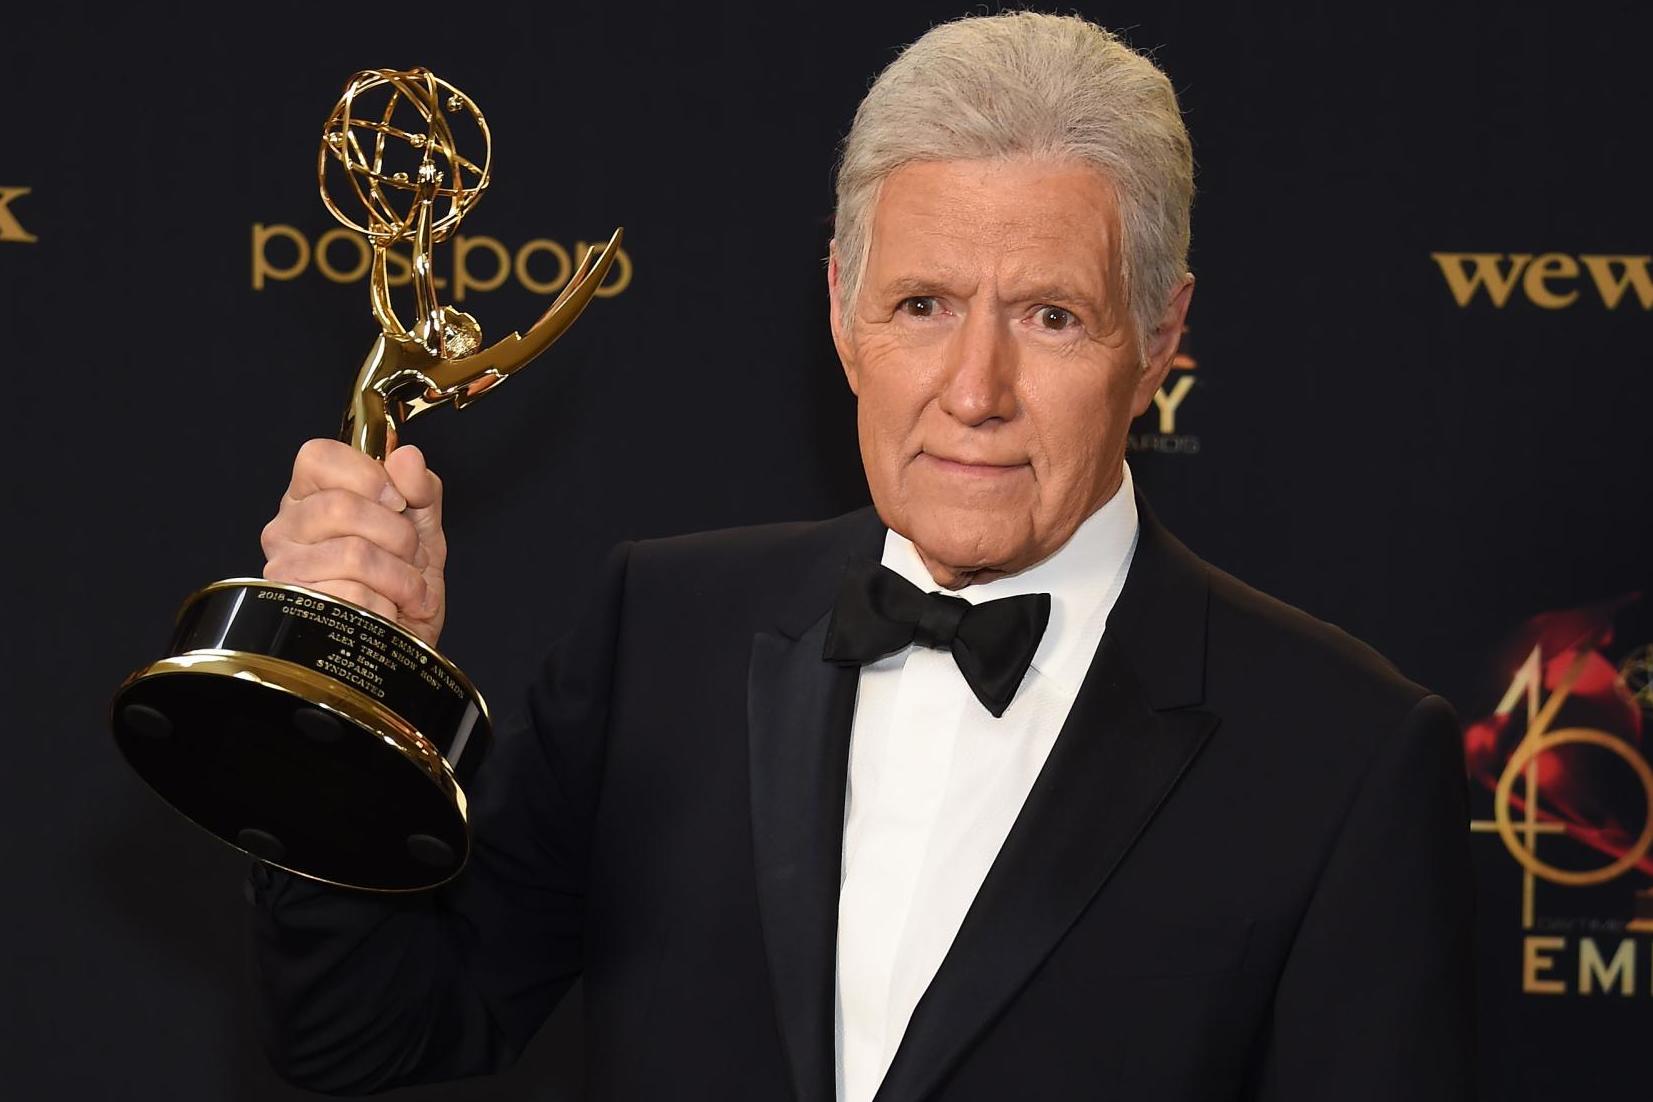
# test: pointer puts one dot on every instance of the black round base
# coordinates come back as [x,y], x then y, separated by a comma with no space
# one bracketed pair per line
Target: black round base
[311,734]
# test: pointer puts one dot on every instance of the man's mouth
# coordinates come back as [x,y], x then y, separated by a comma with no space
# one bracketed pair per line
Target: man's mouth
[970,466]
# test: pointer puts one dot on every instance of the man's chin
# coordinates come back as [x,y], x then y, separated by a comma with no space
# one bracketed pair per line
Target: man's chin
[968,541]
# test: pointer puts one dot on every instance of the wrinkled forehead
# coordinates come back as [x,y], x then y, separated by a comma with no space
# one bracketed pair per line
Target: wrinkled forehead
[1013,222]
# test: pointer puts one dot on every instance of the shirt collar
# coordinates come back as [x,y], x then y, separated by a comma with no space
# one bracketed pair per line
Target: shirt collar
[1083,579]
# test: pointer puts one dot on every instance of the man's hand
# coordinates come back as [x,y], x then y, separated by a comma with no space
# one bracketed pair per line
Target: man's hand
[363,531]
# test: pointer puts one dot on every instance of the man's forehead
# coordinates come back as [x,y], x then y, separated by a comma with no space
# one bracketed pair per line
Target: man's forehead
[948,220]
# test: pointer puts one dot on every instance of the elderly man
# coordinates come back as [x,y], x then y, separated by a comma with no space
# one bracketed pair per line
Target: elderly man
[993,790]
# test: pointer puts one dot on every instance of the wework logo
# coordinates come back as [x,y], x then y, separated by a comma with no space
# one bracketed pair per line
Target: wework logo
[10,228]
[1552,281]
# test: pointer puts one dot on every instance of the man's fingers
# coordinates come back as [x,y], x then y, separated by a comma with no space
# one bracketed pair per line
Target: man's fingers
[357,560]
[407,471]
[363,531]
[328,514]
[335,465]
[422,490]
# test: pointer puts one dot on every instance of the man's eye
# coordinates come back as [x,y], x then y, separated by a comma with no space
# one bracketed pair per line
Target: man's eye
[1055,318]
[919,306]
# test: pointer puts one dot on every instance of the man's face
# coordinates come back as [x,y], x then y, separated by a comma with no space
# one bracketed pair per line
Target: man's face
[993,357]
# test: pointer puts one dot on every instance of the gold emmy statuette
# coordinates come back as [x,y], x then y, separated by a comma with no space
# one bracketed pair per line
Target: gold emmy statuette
[306,730]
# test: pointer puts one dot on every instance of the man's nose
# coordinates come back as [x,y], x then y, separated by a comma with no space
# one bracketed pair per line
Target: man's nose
[981,367]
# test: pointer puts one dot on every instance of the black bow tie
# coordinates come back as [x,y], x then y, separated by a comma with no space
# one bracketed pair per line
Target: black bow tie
[879,612]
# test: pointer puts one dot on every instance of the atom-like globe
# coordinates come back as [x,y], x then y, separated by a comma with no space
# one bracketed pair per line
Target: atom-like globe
[391,133]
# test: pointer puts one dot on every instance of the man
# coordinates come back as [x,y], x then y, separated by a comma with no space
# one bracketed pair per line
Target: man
[994,790]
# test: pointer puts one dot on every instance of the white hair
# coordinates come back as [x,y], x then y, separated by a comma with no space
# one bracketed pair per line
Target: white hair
[1024,84]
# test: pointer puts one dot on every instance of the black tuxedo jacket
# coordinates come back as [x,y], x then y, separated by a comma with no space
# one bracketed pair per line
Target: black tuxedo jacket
[1242,874]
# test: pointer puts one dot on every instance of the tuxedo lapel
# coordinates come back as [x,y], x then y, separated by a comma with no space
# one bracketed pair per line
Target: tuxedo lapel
[1128,738]
[799,712]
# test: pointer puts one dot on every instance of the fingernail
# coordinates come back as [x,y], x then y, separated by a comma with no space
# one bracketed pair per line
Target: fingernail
[391,499]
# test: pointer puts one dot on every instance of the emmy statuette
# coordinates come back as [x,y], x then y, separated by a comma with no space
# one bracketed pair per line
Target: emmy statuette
[297,727]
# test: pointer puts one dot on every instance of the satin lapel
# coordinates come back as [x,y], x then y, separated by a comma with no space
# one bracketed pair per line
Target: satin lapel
[799,714]
[1113,765]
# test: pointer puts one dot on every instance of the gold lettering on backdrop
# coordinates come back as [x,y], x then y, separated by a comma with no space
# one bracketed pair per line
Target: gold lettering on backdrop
[565,265]
[1548,969]
[342,256]
[462,276]
[1633,272]
[1547,280]
[10,228]
[355,243]
[1167,400]
[1540,271]
[1168,403]
[1536,959]
[1465,272]
[1592,970]
[262,268]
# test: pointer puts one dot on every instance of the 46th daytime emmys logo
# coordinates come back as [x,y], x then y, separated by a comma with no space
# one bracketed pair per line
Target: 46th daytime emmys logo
[476,264]
[1567,792]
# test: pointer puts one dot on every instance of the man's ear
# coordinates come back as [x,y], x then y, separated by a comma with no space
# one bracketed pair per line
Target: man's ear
[840,335]
[1162,346]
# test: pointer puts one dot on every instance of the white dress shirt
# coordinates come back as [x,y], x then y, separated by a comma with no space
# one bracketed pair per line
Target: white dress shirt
[935,783]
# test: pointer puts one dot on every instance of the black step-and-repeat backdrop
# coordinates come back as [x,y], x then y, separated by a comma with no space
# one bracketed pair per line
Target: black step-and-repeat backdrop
[1413,401]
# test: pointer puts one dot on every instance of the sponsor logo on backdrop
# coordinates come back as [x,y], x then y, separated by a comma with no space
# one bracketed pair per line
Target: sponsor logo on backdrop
[1168,401]
[1551,281]
[1564,758]
[476,264]
[10,228]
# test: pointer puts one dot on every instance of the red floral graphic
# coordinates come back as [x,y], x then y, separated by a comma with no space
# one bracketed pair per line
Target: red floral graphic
[1591,793]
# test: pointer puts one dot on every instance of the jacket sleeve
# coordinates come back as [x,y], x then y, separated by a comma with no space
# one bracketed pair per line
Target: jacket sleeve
[362,992]
[1376,1000]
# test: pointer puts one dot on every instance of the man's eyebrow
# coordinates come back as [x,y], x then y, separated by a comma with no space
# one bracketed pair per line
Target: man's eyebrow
[1051,291]
[904,286]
